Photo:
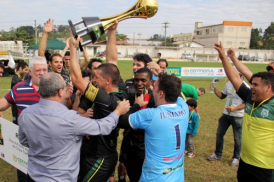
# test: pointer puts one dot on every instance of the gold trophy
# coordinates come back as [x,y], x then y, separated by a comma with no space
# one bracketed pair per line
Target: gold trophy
[95,27]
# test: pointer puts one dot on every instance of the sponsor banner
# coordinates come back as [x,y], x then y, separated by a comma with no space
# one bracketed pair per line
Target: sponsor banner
[10,149]
[202,72]
[174,70]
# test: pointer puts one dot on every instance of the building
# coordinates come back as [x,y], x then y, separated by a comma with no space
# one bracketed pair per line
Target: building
[232,34]
[188,44]
[182,37]
[141,40]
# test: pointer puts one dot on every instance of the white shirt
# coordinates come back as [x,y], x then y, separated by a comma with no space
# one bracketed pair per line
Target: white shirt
[233,100]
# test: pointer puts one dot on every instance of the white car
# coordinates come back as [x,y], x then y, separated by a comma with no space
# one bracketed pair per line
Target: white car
[256,58]
[186,56]
[119,55]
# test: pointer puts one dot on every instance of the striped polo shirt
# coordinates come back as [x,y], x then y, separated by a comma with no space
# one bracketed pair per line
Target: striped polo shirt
[23,94]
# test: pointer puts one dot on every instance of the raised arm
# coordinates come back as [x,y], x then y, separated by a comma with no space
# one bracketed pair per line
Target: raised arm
[111,50]
[86,58]
[231,73]
[66,48]
[48,27]
[239,65]
[154,67]
[75,71]
[217,92]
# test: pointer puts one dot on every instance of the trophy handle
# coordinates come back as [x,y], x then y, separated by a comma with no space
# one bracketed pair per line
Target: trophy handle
[75,34]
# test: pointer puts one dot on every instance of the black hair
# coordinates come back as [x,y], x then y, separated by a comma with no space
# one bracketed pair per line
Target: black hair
[2,66]
[170,85]
[21,64]
[67,53]
[162,60]
[47,55]
[86,73]
[143,58]
[192,103]
[145,70]
[53,55]
[266,78]
[202,89]
[159,53]
[110,70]
[92,61]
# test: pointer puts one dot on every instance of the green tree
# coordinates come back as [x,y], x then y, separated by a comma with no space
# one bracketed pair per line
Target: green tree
[255,38]
[63,28]
[29,29]
[268,42]
[268,38]
[269,31]
[122,37]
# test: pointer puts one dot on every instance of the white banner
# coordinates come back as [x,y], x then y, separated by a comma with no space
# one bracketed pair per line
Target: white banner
[202,72]
[10,149]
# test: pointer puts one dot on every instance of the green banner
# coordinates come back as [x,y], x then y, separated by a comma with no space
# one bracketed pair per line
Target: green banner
[174,70]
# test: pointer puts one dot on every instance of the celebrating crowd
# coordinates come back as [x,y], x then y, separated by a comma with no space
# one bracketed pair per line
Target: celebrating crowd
[69,115]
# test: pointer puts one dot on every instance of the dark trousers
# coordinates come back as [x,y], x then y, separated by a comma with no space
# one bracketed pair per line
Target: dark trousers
[29,178]
[21,177]
[250,173]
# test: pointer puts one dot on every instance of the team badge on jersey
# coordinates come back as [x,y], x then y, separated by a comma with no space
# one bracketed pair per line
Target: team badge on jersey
[264,113]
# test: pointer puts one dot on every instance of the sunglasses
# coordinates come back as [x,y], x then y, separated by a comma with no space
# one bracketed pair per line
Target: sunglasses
[268,68]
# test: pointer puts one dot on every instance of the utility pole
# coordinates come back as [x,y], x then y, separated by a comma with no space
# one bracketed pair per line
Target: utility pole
[133,37]
[35,32]
[165,30]
[139,38]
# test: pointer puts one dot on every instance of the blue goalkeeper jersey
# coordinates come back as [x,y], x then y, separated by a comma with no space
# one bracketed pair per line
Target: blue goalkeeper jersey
[165,131]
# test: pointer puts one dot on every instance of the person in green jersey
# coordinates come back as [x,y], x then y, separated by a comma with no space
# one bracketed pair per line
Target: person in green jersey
[257,154]
[192,92]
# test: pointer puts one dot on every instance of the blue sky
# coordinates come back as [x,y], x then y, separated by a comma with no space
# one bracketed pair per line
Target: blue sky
[180,14]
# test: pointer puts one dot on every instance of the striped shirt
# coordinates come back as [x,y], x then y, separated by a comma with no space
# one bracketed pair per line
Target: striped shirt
[23,94]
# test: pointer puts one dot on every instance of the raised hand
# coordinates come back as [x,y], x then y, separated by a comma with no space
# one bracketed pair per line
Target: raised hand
[220,49]
[153,65]
[231,52]
[114,26]
[48,26]
[73,43]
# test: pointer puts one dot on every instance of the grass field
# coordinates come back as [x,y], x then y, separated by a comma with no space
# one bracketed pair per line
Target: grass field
[198,168]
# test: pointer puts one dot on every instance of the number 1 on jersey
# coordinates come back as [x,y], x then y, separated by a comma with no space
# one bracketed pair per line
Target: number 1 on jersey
[178,136]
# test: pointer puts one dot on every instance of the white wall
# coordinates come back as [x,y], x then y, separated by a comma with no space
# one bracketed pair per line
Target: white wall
[176,52]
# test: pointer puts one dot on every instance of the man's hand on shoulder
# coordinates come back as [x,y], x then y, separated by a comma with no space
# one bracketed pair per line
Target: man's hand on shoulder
[140,100]
[122,107]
